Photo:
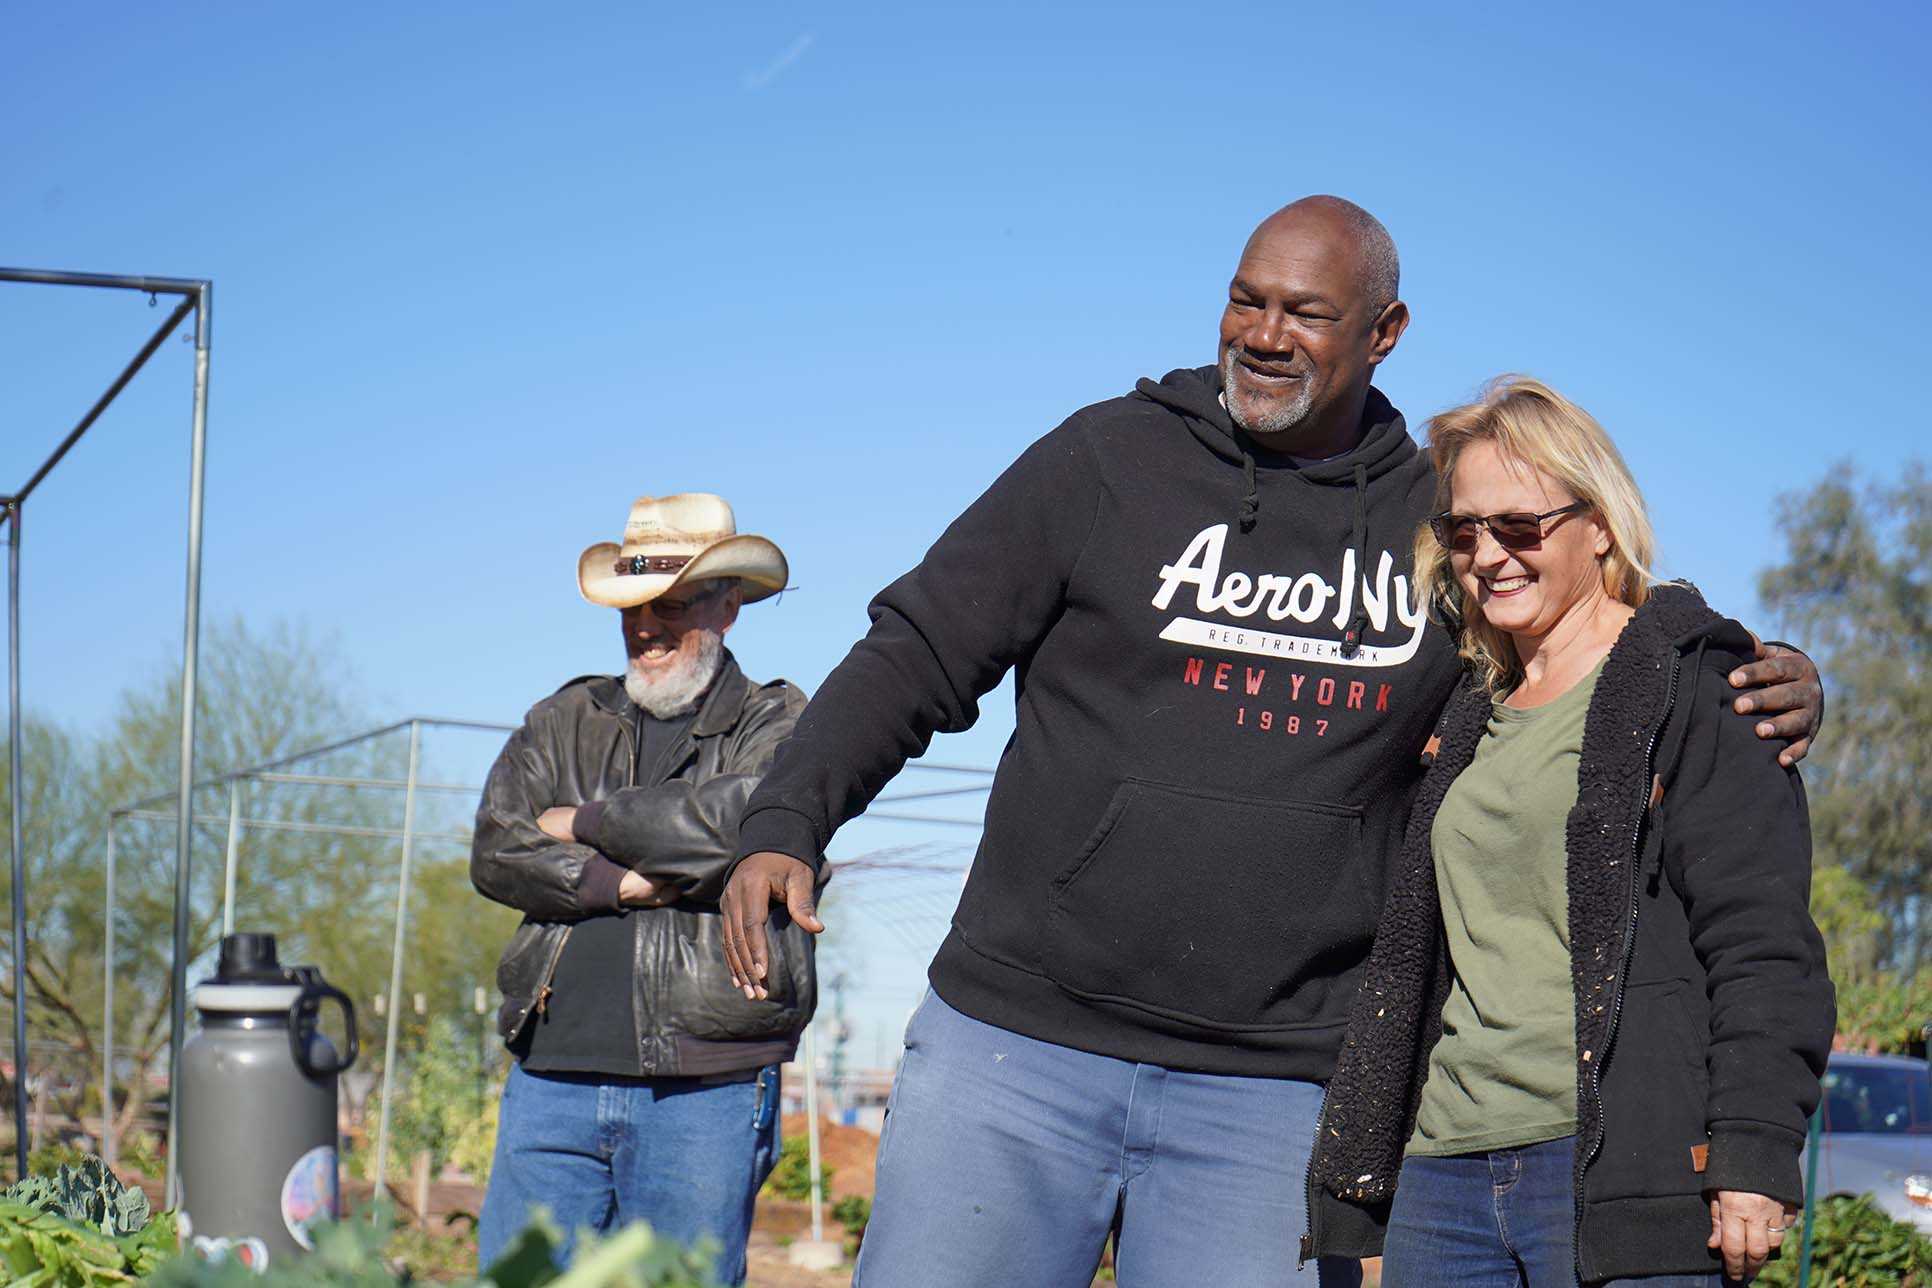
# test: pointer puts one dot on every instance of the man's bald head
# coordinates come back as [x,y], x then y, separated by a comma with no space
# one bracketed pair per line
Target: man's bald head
[1311,313]
[1349,229]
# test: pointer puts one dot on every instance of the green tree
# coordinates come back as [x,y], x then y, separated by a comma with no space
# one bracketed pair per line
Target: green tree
[328,896]
[1878,1009]
[1856,592]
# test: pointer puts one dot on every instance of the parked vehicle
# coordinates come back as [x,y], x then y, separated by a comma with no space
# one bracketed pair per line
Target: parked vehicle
[1877,1134]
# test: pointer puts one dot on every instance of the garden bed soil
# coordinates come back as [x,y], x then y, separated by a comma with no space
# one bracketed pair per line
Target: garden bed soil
[847,1152]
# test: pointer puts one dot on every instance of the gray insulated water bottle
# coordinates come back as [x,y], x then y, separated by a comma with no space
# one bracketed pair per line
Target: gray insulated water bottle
[258,1100]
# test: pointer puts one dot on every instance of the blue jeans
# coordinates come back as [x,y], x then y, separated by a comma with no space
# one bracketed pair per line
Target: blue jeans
[1006,1161]
[1503,1219]
[685,1155]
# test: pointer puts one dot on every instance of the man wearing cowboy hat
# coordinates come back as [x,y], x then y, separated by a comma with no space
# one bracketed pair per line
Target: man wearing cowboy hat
[646,1086]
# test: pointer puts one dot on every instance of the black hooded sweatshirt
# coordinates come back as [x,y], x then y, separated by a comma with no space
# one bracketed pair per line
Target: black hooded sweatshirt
[1219,723]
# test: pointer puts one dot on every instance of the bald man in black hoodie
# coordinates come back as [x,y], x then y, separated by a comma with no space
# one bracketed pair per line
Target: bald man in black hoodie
[1225,685]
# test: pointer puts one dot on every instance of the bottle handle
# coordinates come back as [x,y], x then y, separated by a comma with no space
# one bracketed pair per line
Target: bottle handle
[304,1016]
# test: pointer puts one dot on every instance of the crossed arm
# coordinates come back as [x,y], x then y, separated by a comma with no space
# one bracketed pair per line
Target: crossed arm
[641,846]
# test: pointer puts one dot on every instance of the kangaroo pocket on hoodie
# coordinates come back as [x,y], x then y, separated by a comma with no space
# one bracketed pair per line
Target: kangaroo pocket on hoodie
[1211,910]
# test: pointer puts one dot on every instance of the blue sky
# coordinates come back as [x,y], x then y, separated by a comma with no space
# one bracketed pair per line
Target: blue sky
[486,272]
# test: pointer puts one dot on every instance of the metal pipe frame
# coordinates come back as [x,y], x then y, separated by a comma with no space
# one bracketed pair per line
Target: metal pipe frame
[293,825]
[143,809]
[197,297]
[809,1054]
[14,800]
[230,858]
[107,1010]
[190,676]
[341,744]
[395,960]
[386,784]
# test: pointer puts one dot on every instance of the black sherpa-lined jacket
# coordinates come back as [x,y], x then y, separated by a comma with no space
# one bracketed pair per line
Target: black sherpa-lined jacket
[1703,1009]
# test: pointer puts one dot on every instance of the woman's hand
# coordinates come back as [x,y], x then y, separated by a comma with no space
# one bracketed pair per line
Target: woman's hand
[1745,1227]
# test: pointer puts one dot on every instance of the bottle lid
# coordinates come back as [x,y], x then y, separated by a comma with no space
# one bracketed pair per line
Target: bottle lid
[248,978]
[249,959]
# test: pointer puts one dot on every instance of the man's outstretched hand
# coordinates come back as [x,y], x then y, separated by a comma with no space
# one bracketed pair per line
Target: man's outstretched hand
[1783,684]
[760,881]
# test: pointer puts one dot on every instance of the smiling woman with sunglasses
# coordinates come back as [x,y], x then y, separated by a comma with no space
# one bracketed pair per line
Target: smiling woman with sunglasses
[1591,1028]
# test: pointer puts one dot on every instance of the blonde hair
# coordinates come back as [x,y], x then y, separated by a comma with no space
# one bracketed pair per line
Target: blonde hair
[1532,425]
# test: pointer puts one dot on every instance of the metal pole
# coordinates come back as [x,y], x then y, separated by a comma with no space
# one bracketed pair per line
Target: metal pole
[396,956]
[1812,1142]
[811,1133]
[482,1048]
[119,281]
[107,1011]
[15,799]
[120,382]
[329,829]
[190,673]
[234,851]
[311,753]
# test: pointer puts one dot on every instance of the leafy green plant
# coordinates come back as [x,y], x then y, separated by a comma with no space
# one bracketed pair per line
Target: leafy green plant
[475,1143]
[437,1107]
[854,1212]
[88,1194]
[42,1249]
[1878,1009]
[1885,1013]
[79,1228]
[432,1254]
[1855,1245]
[359,1253]
[791,1176]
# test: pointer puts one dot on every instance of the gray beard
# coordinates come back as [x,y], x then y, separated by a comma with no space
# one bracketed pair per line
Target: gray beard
[677,692]
[1278,421]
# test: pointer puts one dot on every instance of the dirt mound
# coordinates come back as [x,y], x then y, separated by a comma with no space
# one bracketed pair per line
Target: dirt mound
[848,1152]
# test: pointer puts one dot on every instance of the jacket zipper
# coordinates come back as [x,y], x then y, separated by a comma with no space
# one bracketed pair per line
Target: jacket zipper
[550,972]
[544,990]
[635,732]
[1623,966]
[1307,1249]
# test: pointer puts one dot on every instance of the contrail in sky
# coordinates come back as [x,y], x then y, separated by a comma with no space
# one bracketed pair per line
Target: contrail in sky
[755,81]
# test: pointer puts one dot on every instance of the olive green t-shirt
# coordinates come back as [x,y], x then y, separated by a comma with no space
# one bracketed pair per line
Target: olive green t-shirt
[1504,1073]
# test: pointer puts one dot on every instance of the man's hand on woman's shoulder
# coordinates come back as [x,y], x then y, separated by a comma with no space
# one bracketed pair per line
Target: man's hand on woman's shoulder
[1785,687]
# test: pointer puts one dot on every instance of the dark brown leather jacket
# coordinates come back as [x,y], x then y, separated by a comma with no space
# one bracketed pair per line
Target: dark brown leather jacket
[676,822]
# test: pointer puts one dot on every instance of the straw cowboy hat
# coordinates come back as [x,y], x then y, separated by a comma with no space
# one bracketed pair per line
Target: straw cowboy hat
[671,540]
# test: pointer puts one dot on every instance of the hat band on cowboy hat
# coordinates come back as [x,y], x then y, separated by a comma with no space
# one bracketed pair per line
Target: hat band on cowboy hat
[638,565]
[672,541]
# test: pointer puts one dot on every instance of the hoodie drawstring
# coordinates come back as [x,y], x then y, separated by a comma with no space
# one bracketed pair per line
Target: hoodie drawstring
[1251,496]
[1358,622]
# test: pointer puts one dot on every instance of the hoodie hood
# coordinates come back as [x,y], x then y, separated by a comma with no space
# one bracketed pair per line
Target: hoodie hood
[1195,394]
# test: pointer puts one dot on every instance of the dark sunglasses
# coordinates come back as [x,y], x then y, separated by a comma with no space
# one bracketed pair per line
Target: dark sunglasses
[666,609]
[1517,530]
